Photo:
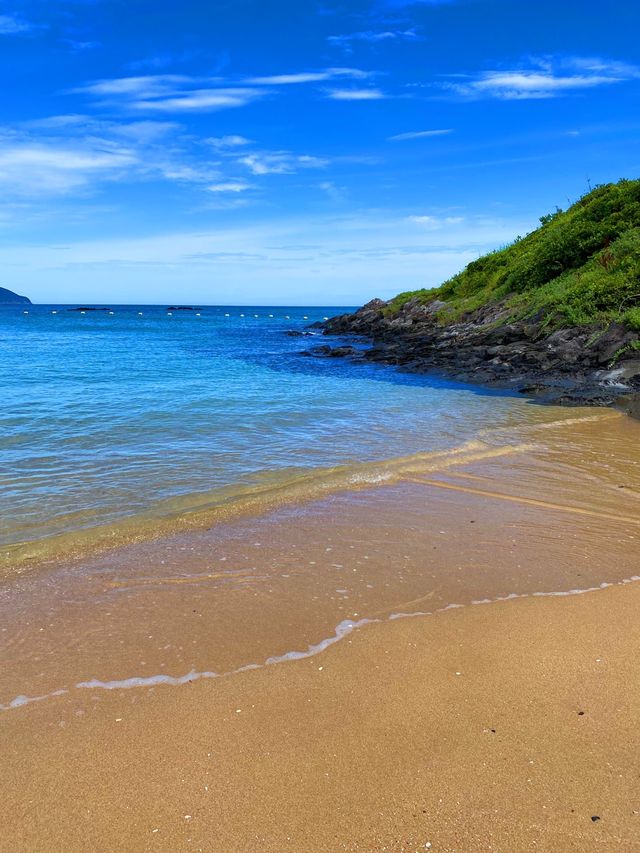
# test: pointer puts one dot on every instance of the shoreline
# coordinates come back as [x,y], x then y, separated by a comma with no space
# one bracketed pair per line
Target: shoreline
[270,490]
[343,630]
[587,366]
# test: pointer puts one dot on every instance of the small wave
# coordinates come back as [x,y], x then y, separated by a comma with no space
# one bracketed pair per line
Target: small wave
[271,491]
[343,629]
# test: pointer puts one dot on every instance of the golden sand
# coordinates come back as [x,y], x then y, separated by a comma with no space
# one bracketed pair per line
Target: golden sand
[507,727]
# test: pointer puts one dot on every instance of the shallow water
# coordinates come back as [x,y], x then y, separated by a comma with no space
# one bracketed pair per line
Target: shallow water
[551,508]
[143,414]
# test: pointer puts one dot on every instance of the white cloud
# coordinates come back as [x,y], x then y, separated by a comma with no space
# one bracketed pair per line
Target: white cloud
[61,154]
[171,93]
[309,77]
[182,93]
[418,134]
[355,94]
[229,187]
[335,193]
[30,168]
[546,77]
[145,132]
[12,25]
[148,86]
[373,37]
[201,100]
[434,222]
[232,141]
[280,162]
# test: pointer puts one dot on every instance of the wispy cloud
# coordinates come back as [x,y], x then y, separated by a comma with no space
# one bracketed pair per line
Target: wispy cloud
[347,40]
[355,94]
[77,153]
[231,141]
[309,77]
[81,46]
[13,25]
[401,4]
[200,100]
[147,86]
[335,193]
[545,77]
[182,93]
[373,37]
[280,162]
[28,168]
[171,93]
[418,134]
[229,187]
[432,223]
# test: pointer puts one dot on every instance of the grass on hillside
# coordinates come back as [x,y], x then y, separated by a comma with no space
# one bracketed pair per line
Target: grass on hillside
[581,266]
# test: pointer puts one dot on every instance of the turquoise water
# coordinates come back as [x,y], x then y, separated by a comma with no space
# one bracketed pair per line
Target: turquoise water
[106,416]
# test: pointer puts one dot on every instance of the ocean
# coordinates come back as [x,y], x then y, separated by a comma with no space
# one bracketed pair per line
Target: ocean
[127,416]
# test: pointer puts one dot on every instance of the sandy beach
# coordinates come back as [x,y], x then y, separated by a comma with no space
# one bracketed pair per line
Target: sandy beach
[510,726]
[252,687]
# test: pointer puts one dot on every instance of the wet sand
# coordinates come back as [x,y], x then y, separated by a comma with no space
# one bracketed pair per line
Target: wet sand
[460,728]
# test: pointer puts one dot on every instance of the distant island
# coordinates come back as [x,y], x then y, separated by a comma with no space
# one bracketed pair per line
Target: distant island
[555,314]
[8,297]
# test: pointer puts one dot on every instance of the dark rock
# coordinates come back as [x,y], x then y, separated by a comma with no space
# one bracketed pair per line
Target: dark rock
[341,352]
[322,351]
[574,366]
[88,308]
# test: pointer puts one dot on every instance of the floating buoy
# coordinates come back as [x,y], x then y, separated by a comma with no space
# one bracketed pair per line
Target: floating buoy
[242,315]
[197,315]
[83,312]
[271,315]
[305,317]
[169,313]
[286,316]
[110,312]
[54,312]
[226,315]
[325,318]
[139,313]
[25,312]
[255,315]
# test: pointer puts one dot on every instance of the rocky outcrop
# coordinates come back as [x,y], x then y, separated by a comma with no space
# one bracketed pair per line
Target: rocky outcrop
[575,366]
[8,297]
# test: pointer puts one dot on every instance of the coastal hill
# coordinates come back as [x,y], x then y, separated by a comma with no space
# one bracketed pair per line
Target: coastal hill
[8,297]
[554,314]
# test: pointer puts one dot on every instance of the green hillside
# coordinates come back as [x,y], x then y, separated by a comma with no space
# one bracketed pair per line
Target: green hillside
[580,267]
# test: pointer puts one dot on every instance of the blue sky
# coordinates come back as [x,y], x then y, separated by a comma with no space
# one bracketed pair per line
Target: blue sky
[307,152]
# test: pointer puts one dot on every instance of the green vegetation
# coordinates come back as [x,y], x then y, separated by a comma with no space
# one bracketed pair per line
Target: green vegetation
[580,267]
